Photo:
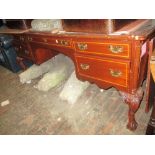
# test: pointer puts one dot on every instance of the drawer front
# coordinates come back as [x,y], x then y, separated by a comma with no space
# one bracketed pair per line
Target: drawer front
[110,71]
[50,40]
[101,48]
[21,38]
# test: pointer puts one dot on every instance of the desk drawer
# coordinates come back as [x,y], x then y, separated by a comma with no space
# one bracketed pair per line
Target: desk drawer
[37,39]
[50,40]
[110,71]
[103,48]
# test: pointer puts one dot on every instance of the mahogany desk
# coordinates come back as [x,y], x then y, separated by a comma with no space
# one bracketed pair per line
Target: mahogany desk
[108,60]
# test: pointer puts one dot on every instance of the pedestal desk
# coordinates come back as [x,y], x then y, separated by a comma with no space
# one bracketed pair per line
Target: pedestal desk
[118,59]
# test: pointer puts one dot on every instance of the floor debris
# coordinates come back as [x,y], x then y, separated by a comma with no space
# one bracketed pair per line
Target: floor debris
[63,67]
[35,71]
[59,119]
[4,103]
[28,82]
[73,89]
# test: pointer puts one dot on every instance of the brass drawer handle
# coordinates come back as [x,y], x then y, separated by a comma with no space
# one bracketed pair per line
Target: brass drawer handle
[16,48]
[29,39]
[82,46]
[115,73]
[64,42]
[22,38]
[84,66]
[116,48]
[26,52]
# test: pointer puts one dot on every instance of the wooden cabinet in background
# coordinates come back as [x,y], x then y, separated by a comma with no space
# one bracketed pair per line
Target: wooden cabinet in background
[18,23]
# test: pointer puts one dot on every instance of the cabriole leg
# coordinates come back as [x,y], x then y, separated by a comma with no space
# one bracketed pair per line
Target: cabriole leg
[133,100]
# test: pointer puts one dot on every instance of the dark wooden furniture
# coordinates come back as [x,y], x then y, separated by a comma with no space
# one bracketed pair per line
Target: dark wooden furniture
[24,50]
[18,28]
[151,125]
[116,59]
[18,23]
[103,26]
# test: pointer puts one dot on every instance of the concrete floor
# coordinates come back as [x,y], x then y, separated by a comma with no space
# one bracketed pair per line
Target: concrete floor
[32,112]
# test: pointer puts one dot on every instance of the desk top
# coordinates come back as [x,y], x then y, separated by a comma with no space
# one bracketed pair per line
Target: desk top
[138,30]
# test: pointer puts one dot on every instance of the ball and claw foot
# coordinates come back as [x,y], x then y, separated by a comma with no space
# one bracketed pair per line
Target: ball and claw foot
[132,125]
[133,100]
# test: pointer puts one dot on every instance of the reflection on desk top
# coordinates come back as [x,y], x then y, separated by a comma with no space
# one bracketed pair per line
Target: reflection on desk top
[12,31]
